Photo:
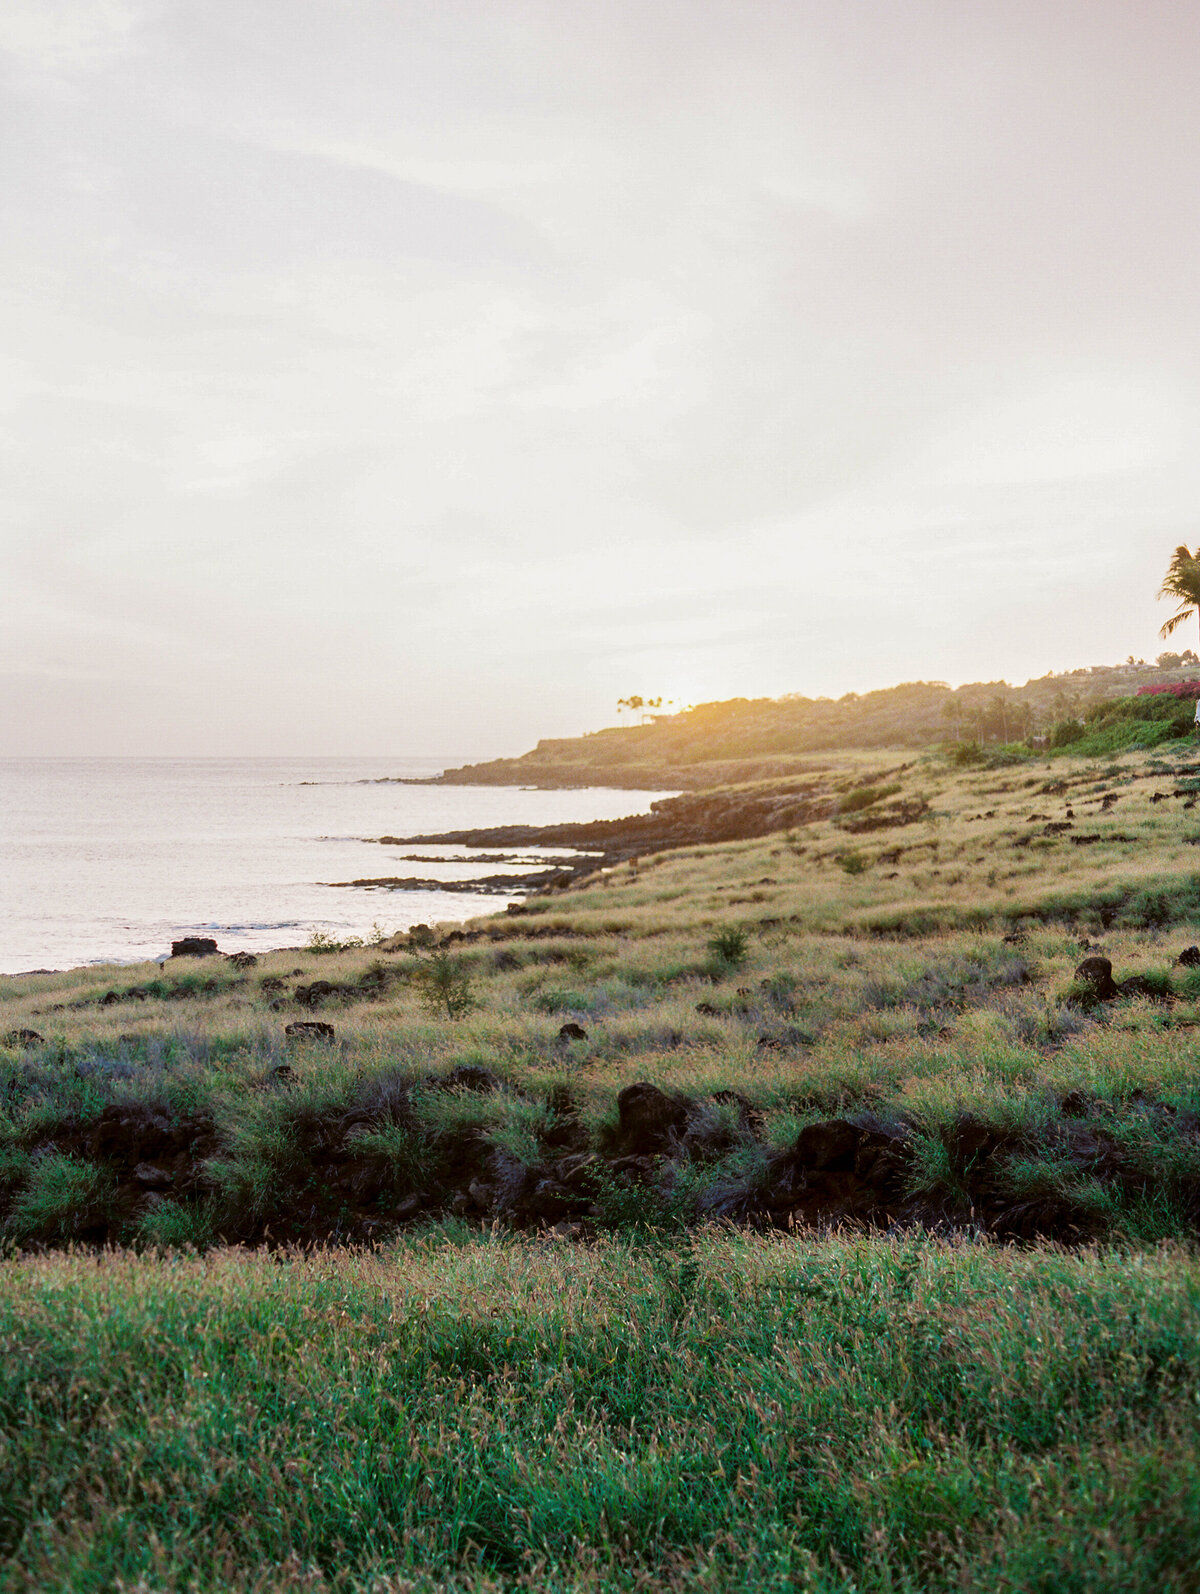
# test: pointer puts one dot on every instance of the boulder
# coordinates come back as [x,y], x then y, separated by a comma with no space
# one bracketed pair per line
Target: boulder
[572,1032]
[309,1030]
[319,991]
[24,1037]
[151,1177]
[194,946]
[466,1076]
[1189,958]
[649,1119]
[972,1142]
[549,1201]
[1096,973]
[243,960]
[831,1144]
[1139,985]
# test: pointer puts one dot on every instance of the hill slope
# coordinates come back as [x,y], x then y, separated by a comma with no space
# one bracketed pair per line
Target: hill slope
[728,743]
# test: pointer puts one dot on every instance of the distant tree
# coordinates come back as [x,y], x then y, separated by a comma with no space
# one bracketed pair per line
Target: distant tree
[1182,583]
[635,703]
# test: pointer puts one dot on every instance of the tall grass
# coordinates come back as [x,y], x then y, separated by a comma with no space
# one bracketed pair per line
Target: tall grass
[469,1413]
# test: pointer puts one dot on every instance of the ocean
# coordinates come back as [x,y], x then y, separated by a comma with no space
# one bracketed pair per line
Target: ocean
[111,859]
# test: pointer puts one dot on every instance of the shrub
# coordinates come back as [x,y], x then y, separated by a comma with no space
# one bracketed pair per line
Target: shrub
[853,802]
[444,982]
[730,946]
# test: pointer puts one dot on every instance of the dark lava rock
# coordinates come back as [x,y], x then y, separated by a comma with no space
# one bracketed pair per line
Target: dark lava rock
[319,991]
[467,1076]
[134,1133]
[271,984]
[24,1037]
[243,960]
[972,1142]
[548,1201]
[151,1177]
[649,1119]
[707,1009]
[1139,985]
[309,1030]
[1046,1218]
[194,946]
[837,1170]
[832,1144]
[285,1074]
[1189,958]
[1096,972]
[572,1032]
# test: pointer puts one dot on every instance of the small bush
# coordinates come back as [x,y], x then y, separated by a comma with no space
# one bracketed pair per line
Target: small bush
[855,801]
[730,946]
[444,983]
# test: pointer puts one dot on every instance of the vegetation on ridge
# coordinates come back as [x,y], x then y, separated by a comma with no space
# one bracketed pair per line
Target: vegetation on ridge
[741,740]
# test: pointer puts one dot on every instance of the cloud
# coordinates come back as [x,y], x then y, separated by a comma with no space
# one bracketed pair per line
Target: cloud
[395,355]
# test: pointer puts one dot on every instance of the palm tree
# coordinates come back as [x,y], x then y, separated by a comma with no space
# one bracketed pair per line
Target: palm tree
[1182,582]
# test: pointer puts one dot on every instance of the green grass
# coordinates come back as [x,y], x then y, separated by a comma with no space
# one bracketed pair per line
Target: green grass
[474,1413]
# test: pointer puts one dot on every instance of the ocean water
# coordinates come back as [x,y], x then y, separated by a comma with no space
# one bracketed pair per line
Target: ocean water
[111,859]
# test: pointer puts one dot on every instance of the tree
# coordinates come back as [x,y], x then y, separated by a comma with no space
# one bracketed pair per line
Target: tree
[633,704]
[1182,582]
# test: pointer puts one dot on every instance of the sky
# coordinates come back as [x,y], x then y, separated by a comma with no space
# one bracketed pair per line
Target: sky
[420,376]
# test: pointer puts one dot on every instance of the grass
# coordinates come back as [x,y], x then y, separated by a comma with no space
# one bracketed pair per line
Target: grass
[567,1361]
[469,1412]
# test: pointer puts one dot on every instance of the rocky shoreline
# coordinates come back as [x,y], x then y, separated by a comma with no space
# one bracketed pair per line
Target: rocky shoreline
[690,819]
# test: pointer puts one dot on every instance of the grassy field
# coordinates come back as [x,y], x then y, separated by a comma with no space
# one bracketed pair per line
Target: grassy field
[475,1412]
[749,1324]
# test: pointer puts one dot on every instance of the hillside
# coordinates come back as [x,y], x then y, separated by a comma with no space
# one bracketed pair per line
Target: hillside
[814,1210]
[742,740]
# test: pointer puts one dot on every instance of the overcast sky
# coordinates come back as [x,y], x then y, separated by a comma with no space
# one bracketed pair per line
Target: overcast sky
[384,376]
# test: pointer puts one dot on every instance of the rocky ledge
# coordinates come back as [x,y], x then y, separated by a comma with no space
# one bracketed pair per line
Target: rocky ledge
[692,819]
[689,820]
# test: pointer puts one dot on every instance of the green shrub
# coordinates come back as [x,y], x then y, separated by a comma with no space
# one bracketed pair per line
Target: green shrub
[855,801]
[730,946]
[444,983]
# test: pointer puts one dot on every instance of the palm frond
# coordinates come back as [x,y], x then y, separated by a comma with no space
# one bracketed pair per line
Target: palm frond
[1176,619]
[1182,579]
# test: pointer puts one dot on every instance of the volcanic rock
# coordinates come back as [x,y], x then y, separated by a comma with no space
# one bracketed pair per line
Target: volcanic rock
[648,1118]
[309,1030]
[1096,972]
[194,946]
